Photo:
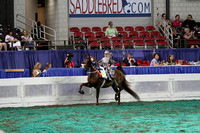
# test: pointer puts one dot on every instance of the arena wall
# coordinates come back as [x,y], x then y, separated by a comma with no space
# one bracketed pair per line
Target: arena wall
[26,92]
[19,8]
[57,18]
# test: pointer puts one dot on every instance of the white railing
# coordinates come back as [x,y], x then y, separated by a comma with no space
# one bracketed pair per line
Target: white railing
[27,24]
[47,33]
[25,92]
[168,34]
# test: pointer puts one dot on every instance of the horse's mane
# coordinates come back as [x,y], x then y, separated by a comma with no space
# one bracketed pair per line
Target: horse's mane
[92,59]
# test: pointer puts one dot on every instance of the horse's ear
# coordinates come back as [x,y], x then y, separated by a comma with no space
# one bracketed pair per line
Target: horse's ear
[89,56]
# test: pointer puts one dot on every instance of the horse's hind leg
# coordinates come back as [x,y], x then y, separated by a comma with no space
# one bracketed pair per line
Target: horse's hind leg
[83,84]
[118,94]
[116,91]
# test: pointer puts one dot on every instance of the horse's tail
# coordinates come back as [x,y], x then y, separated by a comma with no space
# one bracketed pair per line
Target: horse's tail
[119,67]
[127,89]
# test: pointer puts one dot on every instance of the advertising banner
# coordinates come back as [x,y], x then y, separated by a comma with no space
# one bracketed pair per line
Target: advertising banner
[109,8]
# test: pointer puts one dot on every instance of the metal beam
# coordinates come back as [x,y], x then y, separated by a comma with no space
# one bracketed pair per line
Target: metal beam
[168,9]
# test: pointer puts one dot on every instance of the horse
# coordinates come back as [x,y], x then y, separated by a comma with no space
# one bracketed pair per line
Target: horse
[94,80]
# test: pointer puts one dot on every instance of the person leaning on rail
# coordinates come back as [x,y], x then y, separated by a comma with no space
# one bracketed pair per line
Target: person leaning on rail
[171,60]
[129,61]
[36,70]
[154,61]
[48,65]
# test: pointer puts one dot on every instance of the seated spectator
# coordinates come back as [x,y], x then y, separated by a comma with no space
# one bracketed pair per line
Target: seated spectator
[129,61]
[176,38]
[171,60]
[163,21]
[111,31]
[27,40]
[11,40]
[48,65]
[36,70]
[111,62]
[68,63]
[189,35]
[177,23]
[154,61]
[189,22]
[3,45]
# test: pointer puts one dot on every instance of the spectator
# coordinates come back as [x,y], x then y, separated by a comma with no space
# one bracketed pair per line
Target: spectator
[11,40]
[189,22]
[68,63]
[171,60]
[189,35]
[111,31]
[176,38]
[111,62]
[177,23]
[36,70]
[164,21]
[27,40]
[129,61]
[154,61]
[3,45]
[164,24]
[37,32]
[48,65]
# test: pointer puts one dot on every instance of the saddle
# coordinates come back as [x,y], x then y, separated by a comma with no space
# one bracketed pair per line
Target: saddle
[107,74]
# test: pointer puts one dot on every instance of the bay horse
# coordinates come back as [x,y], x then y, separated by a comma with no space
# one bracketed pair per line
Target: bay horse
[94,80]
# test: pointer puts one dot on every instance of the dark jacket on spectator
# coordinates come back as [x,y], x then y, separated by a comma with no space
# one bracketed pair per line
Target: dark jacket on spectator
[126,61]
[190,23]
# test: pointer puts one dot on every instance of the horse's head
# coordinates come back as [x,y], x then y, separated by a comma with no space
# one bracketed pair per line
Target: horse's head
[89,61]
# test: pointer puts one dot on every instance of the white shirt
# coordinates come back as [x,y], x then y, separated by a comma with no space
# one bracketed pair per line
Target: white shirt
[28,39]
[7,37]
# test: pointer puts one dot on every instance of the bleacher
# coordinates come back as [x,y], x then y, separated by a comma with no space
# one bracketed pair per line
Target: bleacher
[129,37]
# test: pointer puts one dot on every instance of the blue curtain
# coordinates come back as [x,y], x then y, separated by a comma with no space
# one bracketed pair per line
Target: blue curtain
[27,59]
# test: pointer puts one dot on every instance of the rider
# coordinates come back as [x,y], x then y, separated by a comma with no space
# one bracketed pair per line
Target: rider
[106,62]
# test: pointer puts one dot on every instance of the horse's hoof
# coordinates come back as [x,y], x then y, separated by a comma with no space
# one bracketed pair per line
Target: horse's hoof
[81,92]
[96,104]
[116,98]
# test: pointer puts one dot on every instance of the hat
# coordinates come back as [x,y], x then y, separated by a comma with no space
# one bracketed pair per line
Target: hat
[106,52]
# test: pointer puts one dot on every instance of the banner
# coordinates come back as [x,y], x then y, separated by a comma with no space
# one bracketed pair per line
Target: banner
[109,8]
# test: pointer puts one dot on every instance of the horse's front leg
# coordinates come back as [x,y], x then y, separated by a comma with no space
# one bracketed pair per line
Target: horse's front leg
[97,95]
[83,84]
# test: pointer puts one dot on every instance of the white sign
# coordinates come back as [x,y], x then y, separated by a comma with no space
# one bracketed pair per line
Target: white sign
[110,8]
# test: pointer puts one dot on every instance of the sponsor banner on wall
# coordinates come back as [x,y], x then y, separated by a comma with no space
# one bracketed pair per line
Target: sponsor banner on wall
[109,8]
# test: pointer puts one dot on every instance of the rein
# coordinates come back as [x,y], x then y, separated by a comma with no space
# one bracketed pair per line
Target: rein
[95,69]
